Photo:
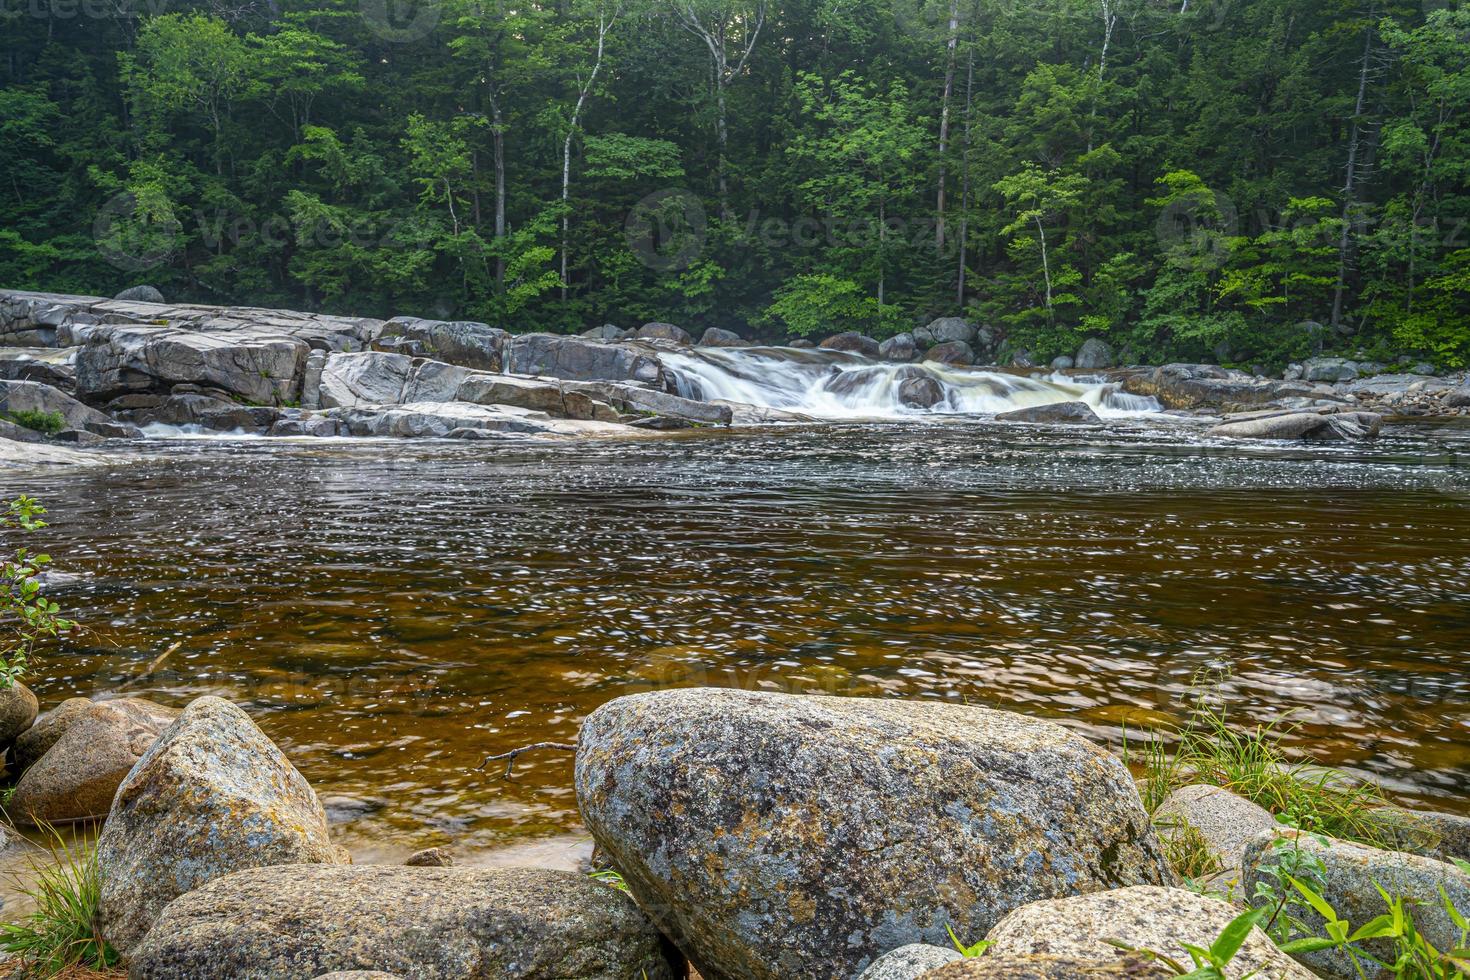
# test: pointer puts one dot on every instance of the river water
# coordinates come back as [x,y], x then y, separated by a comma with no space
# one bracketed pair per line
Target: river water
[392,612]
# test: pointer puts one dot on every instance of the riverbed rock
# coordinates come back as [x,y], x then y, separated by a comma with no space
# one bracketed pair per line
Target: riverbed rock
[909,962]
[358,975]
[899,348]
[43,733]
[32,396]
[92,748]
[955,352]
[949,328]
[283,923]
[18,709]
[1055,413]
[1135,966]
[364,378]
[852,342]
[579,359]
[1062,363]
[1144,917]
[1095,354]
[1301,425]
[251,363]
[720,337]
[665,331]
[1428,832]
[464,343]
[726,812]
[1329,369]
[430,857]
[1186,386]
[1350,885]
[607,333]
[1225,821]
[921,392]
[212,795]
[140,294]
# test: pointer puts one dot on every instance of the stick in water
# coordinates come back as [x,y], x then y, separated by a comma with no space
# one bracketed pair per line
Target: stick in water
[511,755]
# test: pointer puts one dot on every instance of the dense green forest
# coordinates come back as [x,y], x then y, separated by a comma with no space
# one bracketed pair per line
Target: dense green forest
[1231,179]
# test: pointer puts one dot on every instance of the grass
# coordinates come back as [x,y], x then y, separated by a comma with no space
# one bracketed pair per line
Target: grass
[60,937]
[47,423]
[1251,763]
[1188,852]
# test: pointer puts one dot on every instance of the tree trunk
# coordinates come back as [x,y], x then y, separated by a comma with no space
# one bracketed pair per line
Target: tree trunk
[1045,266]
[953,40]
[604,23]
[498,141]
[959,294]
[1350,183]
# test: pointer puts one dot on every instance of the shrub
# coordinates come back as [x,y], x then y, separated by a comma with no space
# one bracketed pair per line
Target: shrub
[48,423]
[26,616]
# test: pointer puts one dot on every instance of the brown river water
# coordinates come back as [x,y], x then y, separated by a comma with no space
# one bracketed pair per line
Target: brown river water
[392,612]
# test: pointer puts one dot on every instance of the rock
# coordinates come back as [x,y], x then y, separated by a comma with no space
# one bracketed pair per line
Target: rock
[923,338]
[717,337]
[463,343]
[140,294]
[1301,425]
[32,396]
[43,733]
[55,368]
[1095,354]
[1021,359]
[1424,368]
[358,975]
[1226,822]
[311,382]
[115,430]
[1041,967]
[1061,413]
[801,343]
[955,352]
[92,748]
[852,342]
[20,456]
[19,433]
[18,708]
[364,378]
[1350,885]
[900,348]
[1184,386]
[921,392]
[665,331]
[1293,372]
[212,795]
[79,437]
[578,359]
[430,857]
[1458,398]
[726,812]
[435,381]
[909,962]
[607,333]
[1427,832]
[310,425]
[1145,917]
[627,398]
[428,923]
[1062,363]
[253,364]
[1329,369]
[950,328]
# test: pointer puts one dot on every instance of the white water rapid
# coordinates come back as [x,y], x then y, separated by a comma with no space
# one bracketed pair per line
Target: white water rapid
[837,384]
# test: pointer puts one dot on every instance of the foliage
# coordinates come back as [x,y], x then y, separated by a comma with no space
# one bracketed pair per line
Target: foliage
[27,617]
[610,878]
[1187,851]
[1210,962]
[971,951]
[63,930]
[49,423]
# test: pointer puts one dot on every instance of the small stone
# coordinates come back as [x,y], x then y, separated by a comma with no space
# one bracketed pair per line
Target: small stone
[909,962]
[430,857]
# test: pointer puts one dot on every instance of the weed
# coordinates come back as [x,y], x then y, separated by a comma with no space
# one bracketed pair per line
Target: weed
[1187,850]
[611,879]
[1209,962]
[968,952]
[62,932]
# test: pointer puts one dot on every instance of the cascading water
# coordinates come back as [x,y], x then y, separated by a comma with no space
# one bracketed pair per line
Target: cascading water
[837,384]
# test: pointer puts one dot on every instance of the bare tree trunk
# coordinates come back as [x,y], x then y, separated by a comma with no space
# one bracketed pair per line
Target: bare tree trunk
[959,294]
[1350,184]
[1045,265]
[498,140]
[951,43]
[604,24]
[714,33]
[1110,22]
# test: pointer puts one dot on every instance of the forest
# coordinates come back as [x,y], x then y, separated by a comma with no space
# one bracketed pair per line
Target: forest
[1240,181]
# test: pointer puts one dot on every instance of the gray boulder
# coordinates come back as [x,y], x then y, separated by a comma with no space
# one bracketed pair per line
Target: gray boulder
[252,364]
[537,394]
[18,708]
[1458,398]
[311,380]
[1226,822]
[1062,363]
[900,348]
[92,749]
[1185,386]
[364,378]
[435,381]
[921,392]
[923,338]
[948,328]
[140,294]
[579,359]
[726,812]
[1428,832]
[607,333]
[1039,966]
[1350,885]
[910,962]
[1146,917]
[43,733]
[282,923]
[212,795]
[1095,354]
[801,343]
[1057,413]
[465,343]
[852,342]
[665,331]
[718,337]
[56,368]
[32,396]
[955,352]
[358,975]
[1329,369]
[1301,425]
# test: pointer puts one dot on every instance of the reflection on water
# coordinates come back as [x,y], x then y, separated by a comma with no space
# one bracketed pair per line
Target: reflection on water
[393,612]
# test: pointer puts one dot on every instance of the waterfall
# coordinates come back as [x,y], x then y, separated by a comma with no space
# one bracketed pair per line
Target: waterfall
[838,384]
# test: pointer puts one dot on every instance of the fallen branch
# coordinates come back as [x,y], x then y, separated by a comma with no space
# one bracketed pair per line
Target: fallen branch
[511,755]
[152,667]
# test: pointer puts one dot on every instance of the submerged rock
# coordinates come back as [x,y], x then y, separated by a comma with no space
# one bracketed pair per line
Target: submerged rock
[212,795]
[921,392]
[730,812]
[909,962]
[1064,413]
[284,923]
[1301,425]
[1145,917]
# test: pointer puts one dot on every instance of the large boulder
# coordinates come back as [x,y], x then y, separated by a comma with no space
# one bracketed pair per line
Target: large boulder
[18,708]
[465,343]
[1145,918]
[1094,354]
[955,352]
[852,342]
[1329,369]
[665,331]
[1429,832]
[140,294]
[1039,966]
[1208,386]
[92,749]
[1056,413]
[44,732]
[364,378]
[55,368]
[909,962]
[720,337]
[253,364]
[948,328]
[212,795]
[1225,822]
[298,921]
[537,394]
[579,359]
[921,391]
[900,348]
[608,333]
[1350,882]
[1301,425]
[32,396]
[731,813]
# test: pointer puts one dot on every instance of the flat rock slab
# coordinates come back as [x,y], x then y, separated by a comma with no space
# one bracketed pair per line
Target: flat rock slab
[778,836]
[290,922]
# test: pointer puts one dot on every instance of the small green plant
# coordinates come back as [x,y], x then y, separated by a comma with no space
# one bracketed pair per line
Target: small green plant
[1276,893]
[1209,962]
[26,616]
[62,931]
[1187,850]
[971,951]
[610,878]
[47,423]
